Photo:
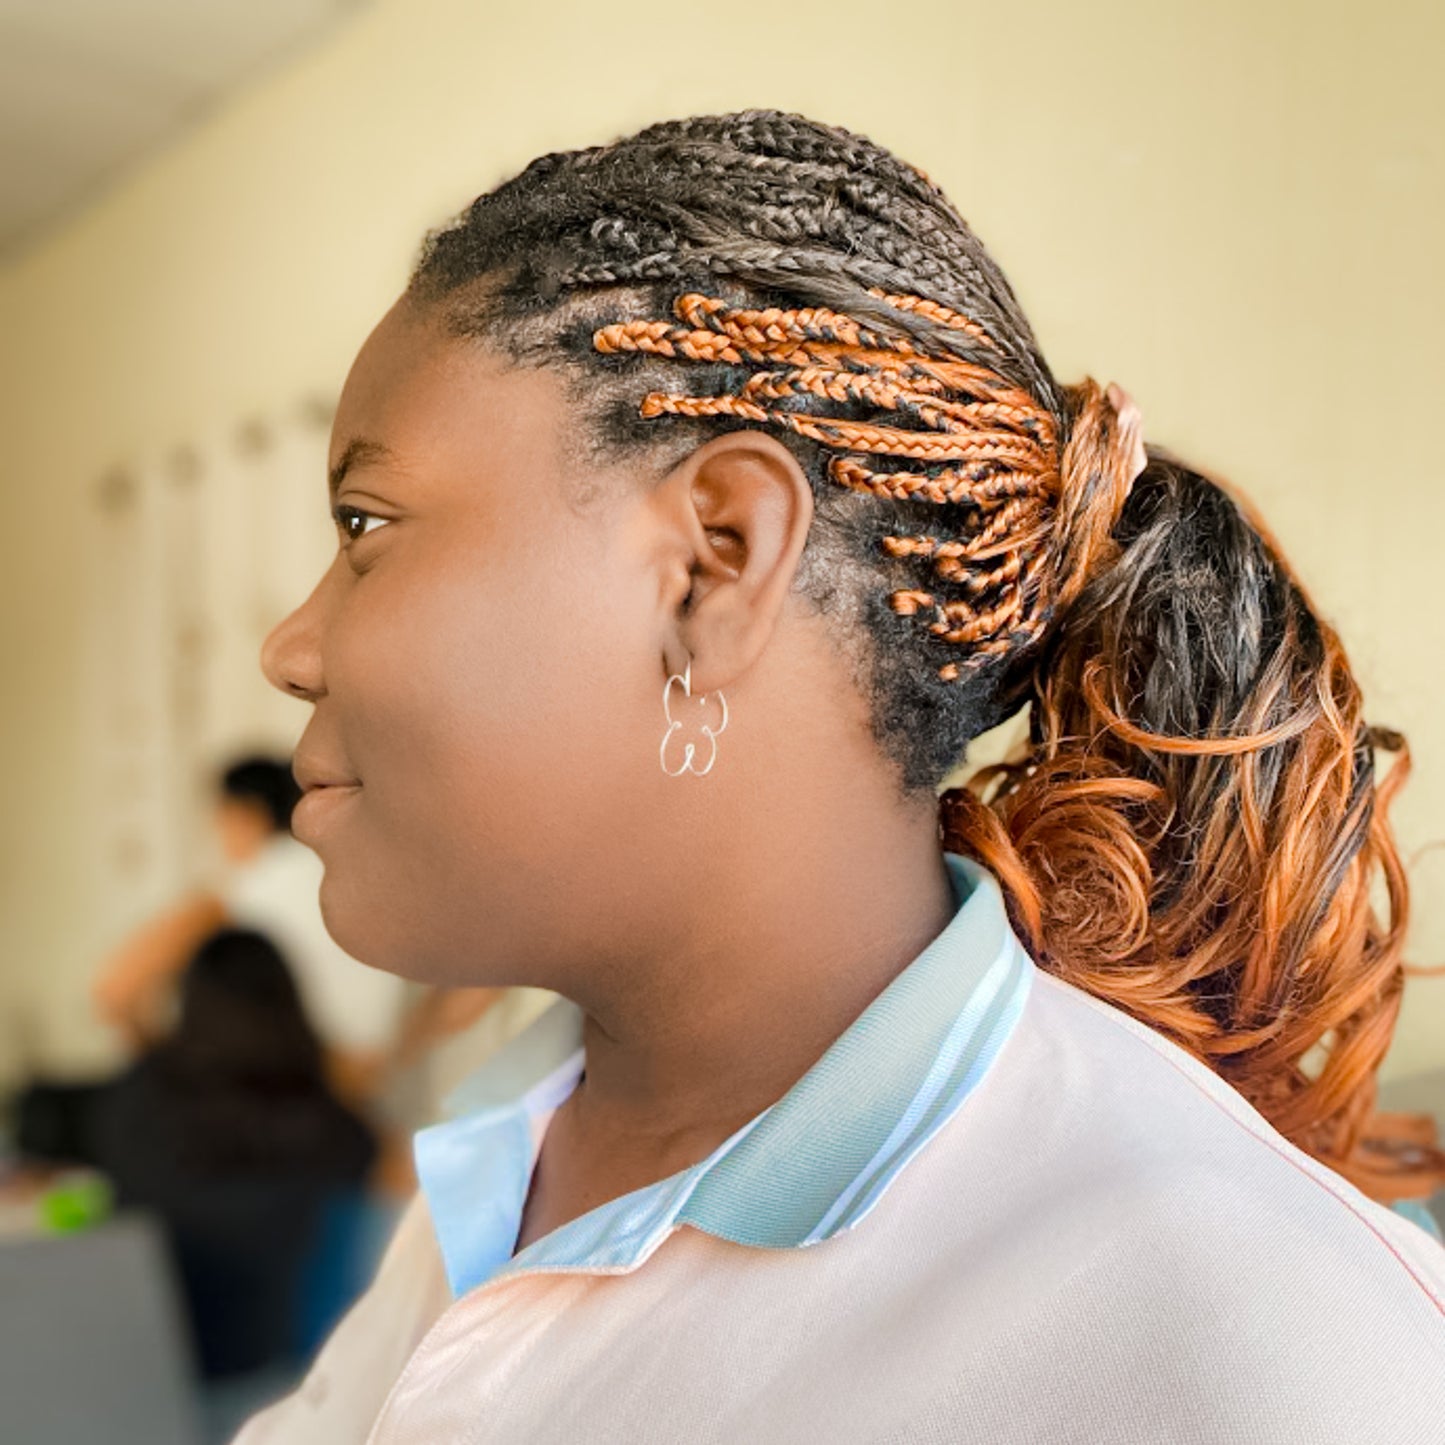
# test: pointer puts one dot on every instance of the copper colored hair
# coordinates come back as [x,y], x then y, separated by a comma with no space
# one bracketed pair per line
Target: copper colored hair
[1235,885]
[1196,834]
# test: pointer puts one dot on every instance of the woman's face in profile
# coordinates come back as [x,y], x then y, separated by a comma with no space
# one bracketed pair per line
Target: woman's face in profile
[483,658]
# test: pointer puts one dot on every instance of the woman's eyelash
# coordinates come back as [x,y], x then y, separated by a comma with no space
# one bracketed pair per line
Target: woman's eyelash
[354,523]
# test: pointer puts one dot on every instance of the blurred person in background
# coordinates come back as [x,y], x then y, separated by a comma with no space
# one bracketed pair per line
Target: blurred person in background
[270,883]
[397,1061]
[228,1131]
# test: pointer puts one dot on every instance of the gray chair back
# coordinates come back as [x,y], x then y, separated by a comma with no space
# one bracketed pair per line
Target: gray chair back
[93,1343]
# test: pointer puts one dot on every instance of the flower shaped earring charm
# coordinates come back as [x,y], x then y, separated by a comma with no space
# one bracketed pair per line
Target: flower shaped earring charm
[689,763]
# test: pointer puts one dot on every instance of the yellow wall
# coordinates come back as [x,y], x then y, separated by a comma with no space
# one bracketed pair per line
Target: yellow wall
[1235,209]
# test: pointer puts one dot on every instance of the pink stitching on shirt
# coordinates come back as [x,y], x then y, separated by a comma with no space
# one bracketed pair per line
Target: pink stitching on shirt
[1154,1041]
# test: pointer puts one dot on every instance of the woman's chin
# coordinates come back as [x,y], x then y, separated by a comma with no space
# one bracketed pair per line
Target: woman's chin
[358,929]
[373,934]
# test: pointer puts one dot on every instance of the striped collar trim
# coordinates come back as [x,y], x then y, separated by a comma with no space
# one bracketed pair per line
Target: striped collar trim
[812,1166]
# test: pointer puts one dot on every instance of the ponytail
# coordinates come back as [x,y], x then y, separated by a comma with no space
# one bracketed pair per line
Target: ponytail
[1197,835]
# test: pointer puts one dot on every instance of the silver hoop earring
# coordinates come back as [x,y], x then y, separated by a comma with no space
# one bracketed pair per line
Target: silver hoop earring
[674,726]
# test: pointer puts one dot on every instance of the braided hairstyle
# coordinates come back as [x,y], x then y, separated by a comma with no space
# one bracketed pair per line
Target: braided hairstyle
[1196,833]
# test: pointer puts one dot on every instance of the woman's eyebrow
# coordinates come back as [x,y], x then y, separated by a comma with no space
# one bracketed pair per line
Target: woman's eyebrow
[359,452]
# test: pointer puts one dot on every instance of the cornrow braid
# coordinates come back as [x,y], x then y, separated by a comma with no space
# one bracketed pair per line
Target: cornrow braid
[944,315]
[952,412]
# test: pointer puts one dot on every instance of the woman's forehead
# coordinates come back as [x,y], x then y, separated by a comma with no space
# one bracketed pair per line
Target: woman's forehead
[418,394]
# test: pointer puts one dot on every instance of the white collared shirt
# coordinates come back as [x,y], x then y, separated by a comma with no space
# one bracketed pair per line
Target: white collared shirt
[996,1210]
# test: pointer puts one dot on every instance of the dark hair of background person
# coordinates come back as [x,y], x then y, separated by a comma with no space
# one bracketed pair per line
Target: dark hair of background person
[228,1131]
[1198,834]
[242,1054]
[265,781]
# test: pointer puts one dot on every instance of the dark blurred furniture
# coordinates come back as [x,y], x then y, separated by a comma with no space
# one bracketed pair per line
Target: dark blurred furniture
[269,1252]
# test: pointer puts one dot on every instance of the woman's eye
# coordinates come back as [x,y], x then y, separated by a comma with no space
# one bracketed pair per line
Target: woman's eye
[353,523]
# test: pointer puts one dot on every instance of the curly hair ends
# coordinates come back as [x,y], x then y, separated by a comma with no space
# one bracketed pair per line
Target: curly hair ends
[1197,836]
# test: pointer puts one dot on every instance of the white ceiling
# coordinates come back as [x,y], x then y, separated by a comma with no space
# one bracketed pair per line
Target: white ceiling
[89,86]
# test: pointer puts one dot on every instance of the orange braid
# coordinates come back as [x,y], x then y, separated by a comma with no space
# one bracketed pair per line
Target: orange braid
[987,444]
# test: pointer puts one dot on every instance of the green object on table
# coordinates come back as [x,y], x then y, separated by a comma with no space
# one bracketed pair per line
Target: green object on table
[75,1203]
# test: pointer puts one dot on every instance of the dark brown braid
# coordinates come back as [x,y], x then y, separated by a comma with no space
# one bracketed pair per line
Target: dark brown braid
[1196,835]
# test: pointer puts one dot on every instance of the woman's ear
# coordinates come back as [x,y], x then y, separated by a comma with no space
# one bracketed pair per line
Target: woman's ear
[740,507]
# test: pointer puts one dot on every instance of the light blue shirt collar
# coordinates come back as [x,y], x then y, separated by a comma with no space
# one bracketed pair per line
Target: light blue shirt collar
[809,1167]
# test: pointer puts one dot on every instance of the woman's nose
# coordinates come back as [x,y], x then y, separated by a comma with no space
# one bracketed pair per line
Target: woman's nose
[291,655]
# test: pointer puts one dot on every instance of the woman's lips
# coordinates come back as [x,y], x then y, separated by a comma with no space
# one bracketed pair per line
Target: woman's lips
[316,772]
[313,817]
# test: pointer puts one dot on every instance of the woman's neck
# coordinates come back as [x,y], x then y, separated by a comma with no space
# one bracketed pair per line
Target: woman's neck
[784,950]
